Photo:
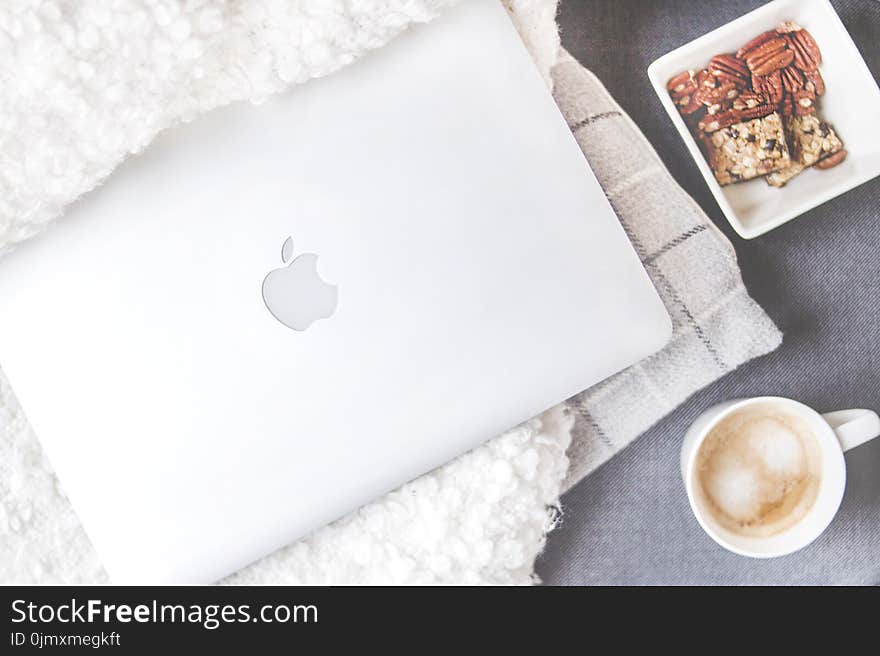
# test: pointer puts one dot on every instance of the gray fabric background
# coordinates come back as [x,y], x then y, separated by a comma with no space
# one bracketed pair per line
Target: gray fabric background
[818,277]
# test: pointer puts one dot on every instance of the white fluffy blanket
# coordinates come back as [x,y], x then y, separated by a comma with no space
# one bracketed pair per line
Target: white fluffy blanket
[87,83]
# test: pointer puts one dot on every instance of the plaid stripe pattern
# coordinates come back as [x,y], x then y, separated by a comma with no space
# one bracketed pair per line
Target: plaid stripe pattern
[717,326]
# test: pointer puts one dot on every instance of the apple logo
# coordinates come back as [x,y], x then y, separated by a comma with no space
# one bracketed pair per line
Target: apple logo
[295,294]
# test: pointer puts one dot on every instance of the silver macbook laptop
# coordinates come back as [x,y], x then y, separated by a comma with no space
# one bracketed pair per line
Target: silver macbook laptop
[279,313]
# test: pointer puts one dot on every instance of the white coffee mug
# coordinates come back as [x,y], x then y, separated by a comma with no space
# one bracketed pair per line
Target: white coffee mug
[835,432]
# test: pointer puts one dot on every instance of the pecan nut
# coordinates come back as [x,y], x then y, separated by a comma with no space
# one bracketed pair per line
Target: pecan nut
[754,112]
[814,82]
[683,88]
[807,55]
[691,98]
[770,56]
[705,79]
[681,82]
[792,79]
[831,161]
[733,116]
[749,99]
[718,98]
[688,103]
[804,102]
[785,27]
[758,41]
[727,68]
[769,85]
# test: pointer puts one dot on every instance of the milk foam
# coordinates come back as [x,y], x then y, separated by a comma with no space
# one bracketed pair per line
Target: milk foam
[758,470]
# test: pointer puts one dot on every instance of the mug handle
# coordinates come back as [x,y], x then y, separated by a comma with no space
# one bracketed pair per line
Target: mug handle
[853,427]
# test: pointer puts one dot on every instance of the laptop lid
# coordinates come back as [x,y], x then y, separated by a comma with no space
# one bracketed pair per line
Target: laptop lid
[456,269]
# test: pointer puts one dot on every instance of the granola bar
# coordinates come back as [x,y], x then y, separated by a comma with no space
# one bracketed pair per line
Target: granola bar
[748,149]
[780,177]
[812,139]
[812,142]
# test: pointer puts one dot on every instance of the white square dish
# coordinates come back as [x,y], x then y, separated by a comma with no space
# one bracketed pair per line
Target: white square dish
[851,105]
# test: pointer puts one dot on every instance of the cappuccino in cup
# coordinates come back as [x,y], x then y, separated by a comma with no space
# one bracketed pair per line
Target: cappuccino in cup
[758,470]
[765,476]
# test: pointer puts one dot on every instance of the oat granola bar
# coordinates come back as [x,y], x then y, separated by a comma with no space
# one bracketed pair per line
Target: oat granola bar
[812,139]
[748,149]
[780,177]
